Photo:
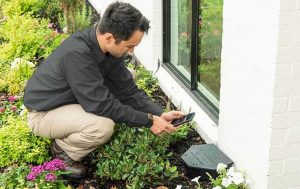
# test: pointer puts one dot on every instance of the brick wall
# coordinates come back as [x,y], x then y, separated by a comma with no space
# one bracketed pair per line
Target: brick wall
[284,170]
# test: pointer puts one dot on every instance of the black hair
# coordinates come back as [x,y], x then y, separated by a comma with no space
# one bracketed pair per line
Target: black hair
[122,20]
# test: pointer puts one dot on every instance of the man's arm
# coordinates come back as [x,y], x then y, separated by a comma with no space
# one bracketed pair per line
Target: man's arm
[87,83]
[128,93]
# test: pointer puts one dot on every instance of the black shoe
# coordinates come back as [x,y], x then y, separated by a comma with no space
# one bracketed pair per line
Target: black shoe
[77,170]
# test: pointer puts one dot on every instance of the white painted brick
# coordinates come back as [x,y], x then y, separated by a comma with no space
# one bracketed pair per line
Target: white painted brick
[282,88]
[298,5]
[287,5]
[275,168]
[293,135]
[297,55]
[294,151]
[294,104]
[285,152]
[286,120]
[292,180]
[295,71]
[285,38]
[287,20]
[279,153]
[283,71]
[275,182]
[291,166]
[285,55]
[295,88]
[280,105]
[278,137]
[280,121]
[296,37]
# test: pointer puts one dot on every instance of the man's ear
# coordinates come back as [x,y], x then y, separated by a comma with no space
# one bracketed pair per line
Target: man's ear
[109,38]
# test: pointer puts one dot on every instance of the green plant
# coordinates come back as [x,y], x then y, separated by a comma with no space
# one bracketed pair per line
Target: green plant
[13,81]
[10,106]
[19,144]
[14,177]
[138,157]
[229,178]
[27,37]
[146,81]
[82,19]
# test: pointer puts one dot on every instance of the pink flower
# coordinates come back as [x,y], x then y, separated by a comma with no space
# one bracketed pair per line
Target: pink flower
[13,108]
[12,98]
[54,165]
[2,109]
[50,177]
[50,25]
[31,177]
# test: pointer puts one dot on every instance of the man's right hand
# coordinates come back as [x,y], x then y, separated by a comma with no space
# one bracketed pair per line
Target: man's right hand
[161,126]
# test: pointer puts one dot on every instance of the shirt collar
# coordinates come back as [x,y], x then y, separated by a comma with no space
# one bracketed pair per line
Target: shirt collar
[100,56]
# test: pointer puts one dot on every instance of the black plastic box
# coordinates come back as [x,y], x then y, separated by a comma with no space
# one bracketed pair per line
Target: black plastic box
[202,159]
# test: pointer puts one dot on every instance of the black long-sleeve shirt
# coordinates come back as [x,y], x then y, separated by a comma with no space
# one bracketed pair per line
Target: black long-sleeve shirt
[78,72]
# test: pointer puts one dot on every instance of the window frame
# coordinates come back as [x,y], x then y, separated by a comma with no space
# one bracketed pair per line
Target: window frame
[189,86]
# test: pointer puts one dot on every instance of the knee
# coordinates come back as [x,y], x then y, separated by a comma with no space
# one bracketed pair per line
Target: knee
[100,131]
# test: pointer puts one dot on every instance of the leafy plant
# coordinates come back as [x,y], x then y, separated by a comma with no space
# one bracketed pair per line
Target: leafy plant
[146,81]
[10,106]
[76,15]
[14,177]
[15,78]
[19,144]
[138,157]
[229,178]
[27,37]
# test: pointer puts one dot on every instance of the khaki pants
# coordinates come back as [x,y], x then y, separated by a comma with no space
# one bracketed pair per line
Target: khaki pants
[74,130]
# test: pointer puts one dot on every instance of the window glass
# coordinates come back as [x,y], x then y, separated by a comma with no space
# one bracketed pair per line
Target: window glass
[181,21]
[210,38]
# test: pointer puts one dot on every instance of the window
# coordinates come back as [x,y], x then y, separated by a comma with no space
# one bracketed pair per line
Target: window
[192,47]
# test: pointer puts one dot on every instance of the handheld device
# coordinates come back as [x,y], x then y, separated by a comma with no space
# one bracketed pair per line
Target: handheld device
[184,119]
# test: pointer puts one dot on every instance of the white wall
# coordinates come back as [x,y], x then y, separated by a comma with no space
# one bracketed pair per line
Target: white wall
[260,102]
[284,170]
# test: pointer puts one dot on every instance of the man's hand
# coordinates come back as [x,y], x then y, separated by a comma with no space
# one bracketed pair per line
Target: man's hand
[170,116]
[161,126]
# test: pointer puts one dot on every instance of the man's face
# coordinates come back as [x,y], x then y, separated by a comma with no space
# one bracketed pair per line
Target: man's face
[120,49]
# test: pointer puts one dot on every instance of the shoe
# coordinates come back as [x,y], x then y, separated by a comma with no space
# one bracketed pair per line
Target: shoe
[77,170]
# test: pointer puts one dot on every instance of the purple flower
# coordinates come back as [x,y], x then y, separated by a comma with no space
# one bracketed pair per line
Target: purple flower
[30,177]
[2,109]
[50,177]
[54,165]
[11,99]
[37,170]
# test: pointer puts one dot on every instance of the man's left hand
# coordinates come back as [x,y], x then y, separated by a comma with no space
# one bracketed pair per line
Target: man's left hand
[170,116]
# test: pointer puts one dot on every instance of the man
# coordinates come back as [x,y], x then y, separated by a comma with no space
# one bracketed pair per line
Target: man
[83,88]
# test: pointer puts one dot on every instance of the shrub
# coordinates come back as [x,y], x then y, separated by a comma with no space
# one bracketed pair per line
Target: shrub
[138,156]
[146,81]
[27,37]
[16,76]
[19,144]
[11,105]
